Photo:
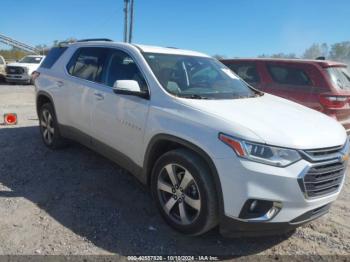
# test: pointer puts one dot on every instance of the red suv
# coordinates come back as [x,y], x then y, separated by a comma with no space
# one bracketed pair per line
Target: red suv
[318,84]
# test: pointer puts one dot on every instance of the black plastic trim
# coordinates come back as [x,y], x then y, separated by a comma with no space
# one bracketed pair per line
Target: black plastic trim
[103,149]
[231,227]
[48,96]
[166,137]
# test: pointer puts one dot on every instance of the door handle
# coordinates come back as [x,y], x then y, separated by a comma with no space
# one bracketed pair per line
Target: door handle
[99,96]
[59,83]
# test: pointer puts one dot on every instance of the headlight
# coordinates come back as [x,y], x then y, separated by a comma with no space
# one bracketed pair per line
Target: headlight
[269,155]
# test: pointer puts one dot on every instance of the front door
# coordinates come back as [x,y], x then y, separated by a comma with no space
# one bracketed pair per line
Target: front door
[117,120]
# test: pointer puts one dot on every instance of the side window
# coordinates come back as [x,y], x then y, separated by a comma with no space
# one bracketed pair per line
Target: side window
[53,56]
[248,72]
[122,67]
[88,63]
[288,75]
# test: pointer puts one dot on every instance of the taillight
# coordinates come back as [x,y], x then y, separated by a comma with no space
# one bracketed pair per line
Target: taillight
[35,75]
[331,101]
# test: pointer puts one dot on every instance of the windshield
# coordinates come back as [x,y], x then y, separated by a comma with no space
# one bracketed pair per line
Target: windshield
[197,77]
[31,59]
[340,77]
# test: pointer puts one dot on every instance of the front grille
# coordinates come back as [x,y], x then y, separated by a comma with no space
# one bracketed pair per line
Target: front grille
[323,179]
[324,151]
[17,70]
[316,155]
[326,171]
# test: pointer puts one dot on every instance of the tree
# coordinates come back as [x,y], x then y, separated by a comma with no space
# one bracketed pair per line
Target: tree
[325,50]
[340,51]
[42,48]
[313,52]
[279,55]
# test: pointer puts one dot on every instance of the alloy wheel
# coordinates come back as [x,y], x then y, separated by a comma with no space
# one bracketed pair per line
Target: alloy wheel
[179,194]
[47,127]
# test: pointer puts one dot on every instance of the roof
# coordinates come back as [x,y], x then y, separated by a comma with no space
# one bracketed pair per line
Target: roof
[145,48]
[323,63]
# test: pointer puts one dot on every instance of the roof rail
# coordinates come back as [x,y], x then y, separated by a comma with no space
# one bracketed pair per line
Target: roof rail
[95,39]
[65,43]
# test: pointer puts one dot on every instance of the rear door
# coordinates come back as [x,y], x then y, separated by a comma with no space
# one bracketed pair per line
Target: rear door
[293,82]
[85,69]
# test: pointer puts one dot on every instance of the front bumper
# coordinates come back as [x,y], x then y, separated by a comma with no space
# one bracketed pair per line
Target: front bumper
[17,78]
[236,228]
[242,180]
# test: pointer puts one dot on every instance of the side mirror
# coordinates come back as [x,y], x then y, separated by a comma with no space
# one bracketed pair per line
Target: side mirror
[129,87]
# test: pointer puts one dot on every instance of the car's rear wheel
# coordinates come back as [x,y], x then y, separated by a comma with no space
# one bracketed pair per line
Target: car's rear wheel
[49,128]
[184,192]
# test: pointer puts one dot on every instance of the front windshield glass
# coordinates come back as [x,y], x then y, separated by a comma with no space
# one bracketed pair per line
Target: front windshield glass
[31,59]
[197,77]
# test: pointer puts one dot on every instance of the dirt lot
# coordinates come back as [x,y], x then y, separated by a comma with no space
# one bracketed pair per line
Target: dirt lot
[74,201]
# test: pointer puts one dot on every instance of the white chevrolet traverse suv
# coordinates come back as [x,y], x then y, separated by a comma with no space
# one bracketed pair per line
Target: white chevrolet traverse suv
[213,150]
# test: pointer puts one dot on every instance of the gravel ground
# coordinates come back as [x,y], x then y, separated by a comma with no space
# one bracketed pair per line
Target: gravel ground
[74,201]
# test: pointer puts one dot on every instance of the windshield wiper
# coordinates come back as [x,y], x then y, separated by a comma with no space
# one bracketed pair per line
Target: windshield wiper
[194,96]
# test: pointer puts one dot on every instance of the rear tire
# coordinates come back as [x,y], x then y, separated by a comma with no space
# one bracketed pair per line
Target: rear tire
[184,191]
[49,128]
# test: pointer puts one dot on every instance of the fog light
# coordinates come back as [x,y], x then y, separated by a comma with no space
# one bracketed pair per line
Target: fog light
[260,210]
[253,205]
[272,212]
[10,119]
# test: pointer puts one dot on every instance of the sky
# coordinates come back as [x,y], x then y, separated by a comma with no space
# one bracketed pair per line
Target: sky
[234,28]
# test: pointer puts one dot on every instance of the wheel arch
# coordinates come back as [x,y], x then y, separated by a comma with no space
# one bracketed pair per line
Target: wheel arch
[42,98]
[163,143]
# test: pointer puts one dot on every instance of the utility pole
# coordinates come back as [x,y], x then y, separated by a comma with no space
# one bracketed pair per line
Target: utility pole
[126,11]
[128,25]
[131,20]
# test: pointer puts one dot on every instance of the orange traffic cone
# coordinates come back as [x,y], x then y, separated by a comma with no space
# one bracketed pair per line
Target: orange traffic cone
[10,119]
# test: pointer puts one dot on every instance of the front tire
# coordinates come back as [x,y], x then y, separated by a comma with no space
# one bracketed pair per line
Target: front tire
[184,191]
[49,128]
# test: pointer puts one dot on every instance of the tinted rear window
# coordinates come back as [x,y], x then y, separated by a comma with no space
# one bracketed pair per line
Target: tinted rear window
[87,63]
[340,77]
[53,56]
[247,72]
[288,75]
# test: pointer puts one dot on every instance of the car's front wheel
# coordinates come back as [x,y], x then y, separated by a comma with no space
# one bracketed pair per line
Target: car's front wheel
[184,192]
[49,127]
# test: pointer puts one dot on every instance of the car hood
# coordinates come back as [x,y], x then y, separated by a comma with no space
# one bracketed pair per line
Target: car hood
[275,121]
